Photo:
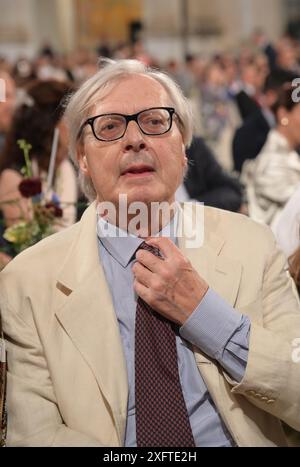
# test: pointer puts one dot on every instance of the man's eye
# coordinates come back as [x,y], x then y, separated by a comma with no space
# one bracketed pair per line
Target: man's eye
[154,122]
[109,126]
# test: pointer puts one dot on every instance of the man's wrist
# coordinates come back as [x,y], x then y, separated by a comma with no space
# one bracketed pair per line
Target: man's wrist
[211,325]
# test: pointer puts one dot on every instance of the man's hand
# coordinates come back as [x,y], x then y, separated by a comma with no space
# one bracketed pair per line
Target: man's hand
[171,286]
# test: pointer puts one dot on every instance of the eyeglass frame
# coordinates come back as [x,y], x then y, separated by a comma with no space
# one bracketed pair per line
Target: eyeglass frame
[128,118]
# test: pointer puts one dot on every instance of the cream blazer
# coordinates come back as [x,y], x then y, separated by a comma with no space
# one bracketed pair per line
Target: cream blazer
[67,380]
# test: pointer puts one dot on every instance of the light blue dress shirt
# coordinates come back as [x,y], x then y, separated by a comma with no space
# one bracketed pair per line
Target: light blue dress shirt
[214,327]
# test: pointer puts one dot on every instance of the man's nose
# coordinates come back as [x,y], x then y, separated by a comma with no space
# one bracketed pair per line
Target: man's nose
[134,138]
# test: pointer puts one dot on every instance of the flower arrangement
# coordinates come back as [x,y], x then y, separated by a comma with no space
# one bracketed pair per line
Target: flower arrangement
[43,215]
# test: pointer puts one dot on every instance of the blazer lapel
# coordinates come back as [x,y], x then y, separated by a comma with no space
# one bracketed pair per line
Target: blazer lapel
[84,309]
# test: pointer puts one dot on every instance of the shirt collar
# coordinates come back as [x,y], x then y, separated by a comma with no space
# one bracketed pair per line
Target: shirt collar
[122,245]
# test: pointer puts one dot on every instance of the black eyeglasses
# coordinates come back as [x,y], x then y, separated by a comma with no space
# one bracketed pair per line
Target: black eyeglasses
[109,127]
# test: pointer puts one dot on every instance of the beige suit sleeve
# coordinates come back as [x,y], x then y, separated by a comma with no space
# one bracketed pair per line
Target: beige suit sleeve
[272,377]
[33,415]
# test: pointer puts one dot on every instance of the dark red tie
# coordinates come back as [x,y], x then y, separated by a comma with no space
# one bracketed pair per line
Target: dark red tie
[161,415]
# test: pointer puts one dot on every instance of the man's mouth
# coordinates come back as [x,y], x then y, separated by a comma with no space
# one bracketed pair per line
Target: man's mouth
[138,170]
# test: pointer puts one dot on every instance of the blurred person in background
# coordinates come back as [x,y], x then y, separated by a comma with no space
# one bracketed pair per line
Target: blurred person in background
[49,67]
[23,72]
[214,101]
[218,113]
[7,105]
[82,64]
[231,69]
[103,48]
[251,136]
[261,41]
[122,51]
[207,182]
[139,53]
[35,122]
[273,177]
[287,58]
[249,90]
[287,233]
[287,229]
[192,75]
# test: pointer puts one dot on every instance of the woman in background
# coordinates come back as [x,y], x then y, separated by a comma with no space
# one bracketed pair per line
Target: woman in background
[287,229]
[287,233]
[35,122]
[274,176]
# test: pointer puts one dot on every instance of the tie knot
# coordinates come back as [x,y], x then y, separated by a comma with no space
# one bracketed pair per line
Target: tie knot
[155,251]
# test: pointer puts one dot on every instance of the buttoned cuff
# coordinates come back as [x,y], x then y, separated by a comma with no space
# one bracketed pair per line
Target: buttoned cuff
[211,325]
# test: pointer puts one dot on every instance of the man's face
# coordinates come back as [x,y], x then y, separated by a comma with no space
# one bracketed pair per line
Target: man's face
[145,168]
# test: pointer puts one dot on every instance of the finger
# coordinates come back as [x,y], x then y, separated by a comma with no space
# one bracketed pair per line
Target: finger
[165,245]
[142,291]
[142,274]
[149,260]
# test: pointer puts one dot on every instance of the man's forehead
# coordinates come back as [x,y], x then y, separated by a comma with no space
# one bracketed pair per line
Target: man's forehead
[134,80]
[133,92]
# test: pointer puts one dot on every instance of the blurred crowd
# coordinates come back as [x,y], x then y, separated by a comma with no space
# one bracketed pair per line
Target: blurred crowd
[245,152]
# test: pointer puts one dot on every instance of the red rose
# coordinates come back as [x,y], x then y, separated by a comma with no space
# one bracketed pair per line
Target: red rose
[30,186]
[55,209]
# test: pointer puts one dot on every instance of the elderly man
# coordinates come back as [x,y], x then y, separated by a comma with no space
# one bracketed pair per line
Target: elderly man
[143,337]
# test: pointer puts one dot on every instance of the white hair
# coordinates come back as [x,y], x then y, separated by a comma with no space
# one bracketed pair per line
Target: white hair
[97,87]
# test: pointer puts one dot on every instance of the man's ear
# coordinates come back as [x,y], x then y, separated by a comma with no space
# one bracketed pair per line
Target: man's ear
[184,154]
[82,160]
[185,166]
[185,159]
